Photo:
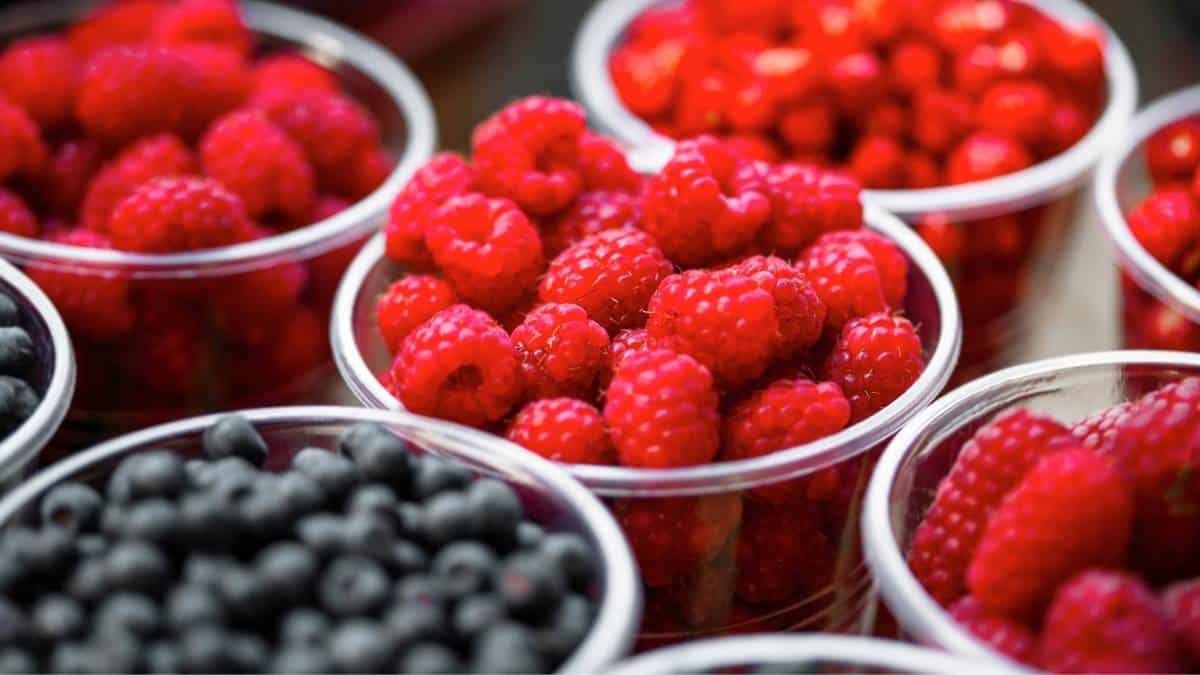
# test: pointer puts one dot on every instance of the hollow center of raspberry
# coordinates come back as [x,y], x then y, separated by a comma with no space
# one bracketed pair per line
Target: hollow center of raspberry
[467,377]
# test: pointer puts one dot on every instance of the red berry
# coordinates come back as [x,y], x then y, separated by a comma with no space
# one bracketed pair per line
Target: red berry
[169,215]
[250,307]
[876,359]
[167,351]
[767,16]
[877,161]
[1173,152]
[798,309]
[1011,638]
[622,345]
[1071,511]
[22,151]
[224,84]
[810,126]
[889,260]
[334,131]
[914,66]
[115,23]
[487,250]
[661,411]
[459,366]
[985,155]
[444,176]
[790,74]
[1069,123]
[846,278]
[408,303]
[611,275]
[602,165]
[94,303]
[940,119]
[131,91]
[291,72]
[857,81]
[703,104]
[1018,109]
[1099,431]
[15,216]
[921,171]
[1163,327]
[807,201]
[644,78]
[961,24]
[1166,224]
[563,430]
[562,351]
[67,176]
[1181,602]
[258,162]
[786,414]
[1107,622]
[989,465]
[149,158]
[215,22]
[673,537]
[944,236]
[782,554]
[592,212]
[39,74]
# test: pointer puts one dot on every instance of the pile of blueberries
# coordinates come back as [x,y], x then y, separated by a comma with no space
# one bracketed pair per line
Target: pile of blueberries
[367,558]
[18,359]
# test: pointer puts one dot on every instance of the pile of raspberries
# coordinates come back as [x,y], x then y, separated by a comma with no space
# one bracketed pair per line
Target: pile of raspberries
[721,309]
[1075,549]
[150,127]
[901,94]
[1167,224]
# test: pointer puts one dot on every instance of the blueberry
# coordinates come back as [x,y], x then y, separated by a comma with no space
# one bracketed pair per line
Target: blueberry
[233,486]
[435,475]
[406,558]
[115,652]
[361,646]
[17,353]
[128,613]
[368,535]
[138,567]
[246,594]
[447,517]
[475,614]
[207,522]
[353,586]
[56,618]
[570,553]
[529,535]
[10,313]
[299,493]
[304,627]
[13,573]
[204,649]
[49,553]
[73,506]
[191,605]
[14,626]
[158,474]
[15,660]
[418,589]
[288,569]
[248,653]
[530,585]
[408,518]
[334,474]
[299,660]
[112,519]
[91,545]
[163,657]
[413,623]
[464,568]
[17,402]
[497,508]
[506,648]
[322,533]
[431,658]
[234,436]
[153,520]
[568,626]
[264,517]
[119,490]
[71,657]
[380,454]
[206,570]
[88,583]
[372,498]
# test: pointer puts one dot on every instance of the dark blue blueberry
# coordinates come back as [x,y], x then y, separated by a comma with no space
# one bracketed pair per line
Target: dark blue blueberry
[234,436]
[17,402]
[322,533]
[567,627]
[419,589]
[430,658]
[206,570]
[88,583]
[138,567]
[475,614]
[115,652]
[191,605]
[530,585]
[248,653]
[205,649]
[13,573]
[435,475]
[380,454]
[361,646]
[129,613]
[48,553]
[464,568]
[56,618]
[497,509]
[305,627]
[529,535]
[353,586]
[264,517]
[91,545]
[14,625]
[507,648]
[372,498]
[71,657]
[207,522]
[288,569]
[336,475]
[16,660]
[368,535]
[413,623]
[158,474]
[447,518]
[17,352]
[153,520]
[247,594]
[299,493]
[570,553]
[73,506]
[300,660]
[406,558]
[163,657]
[10,313]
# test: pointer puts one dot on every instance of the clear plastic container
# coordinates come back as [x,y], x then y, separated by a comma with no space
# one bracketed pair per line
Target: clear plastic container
[180,360]
[555,500]
[1159,309]
[906,477]
[54,378]
[798,654]
[688,524]
[1025,214]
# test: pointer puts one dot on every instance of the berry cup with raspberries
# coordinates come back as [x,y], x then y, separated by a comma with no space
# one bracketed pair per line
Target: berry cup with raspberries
[715,349]
[973,120]
[187,180]
[1047,515]
[311,540]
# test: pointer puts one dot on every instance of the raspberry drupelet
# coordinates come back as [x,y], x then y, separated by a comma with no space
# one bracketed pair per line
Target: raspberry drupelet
[563,352]
[408,303]
[563,430]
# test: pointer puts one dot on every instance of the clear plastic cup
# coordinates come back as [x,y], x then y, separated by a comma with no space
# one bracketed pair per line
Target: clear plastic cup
[1068,388]
[798,654]
[1159,309]
[1009,225]
[143,375]
[53,379]
[553,498]
[687,525]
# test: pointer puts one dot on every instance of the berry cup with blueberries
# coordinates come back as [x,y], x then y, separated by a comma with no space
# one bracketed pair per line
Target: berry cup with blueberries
[310,540]
[972,120]
[714,349]
[187,181]
[1047,515]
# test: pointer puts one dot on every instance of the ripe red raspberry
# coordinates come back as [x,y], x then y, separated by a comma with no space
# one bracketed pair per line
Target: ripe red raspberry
[258,162]
[672,537]
[989,465]
[1099,431]
[644,78]
[785,414]
[115,23]
[1181,602]
[798,310]
[807,201]
[703,103]
[984,155]
[66,177]
[602,165]
[216,22]
[661,411]
[487,249]
[753,146]
[921,171]
[149,158]
[250,307]
[1107,622]
[169,215]
[302,347]
[1173,152]
[622,345]
[876,359]
[562,351]
[22,151]
[563,430]
[889,260]
[782,554]
[592,212]
[167,350]
[941,119]
[528,152]
[371,170]
[888,119]
[1166,224]
[809,127]
[291,72]
[760,16]
[131,91]
[877,161]
[914,66]
[944,236]
[857,81]
[459,366]
[39,75]
[1071,511]
[724,320]
[696,210]
[223,86]
[94,303]
[1011,638]
[444,176]
[611,275]
[846,278]
[408,303]
[15,216]
[1018,109]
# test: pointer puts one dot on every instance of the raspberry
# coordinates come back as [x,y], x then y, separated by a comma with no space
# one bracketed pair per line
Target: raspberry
[857,81]
[15,216]
[372,168]
[944,236]
[798,310]
[876,359]
[21,148]
[724,320]
[444,176]
[303,345]
[528,152]
[661,411]
[752,146]
[1099,431]
[782,554]
[562,351]
[703,104]
[1107,622]
[149,158]
[1006,636]
[809,126]
[216,22]
[983,156]
[807,201]
[1017,109]
[989,465]
[459,366]
[259,163]
[785,414]
[1166,224]
[644,80]
[487,249]
[115,23]
[1181,602]
[39,75]
[407,304]
[611,275]
[1173,152]
[941,119]
[914,66]
[67,176]
[251,306]
[592,212]
[334,131]
[291,72]
[877,161]
[224,84]
[1071,511]
[622,345]
[846,279]
[602,166]
[695,209]
[169,215]
[672,536]
[166,352]
[921,171]
[130,91]
[767,16]
[563,430]
[94,303]
[889,260]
